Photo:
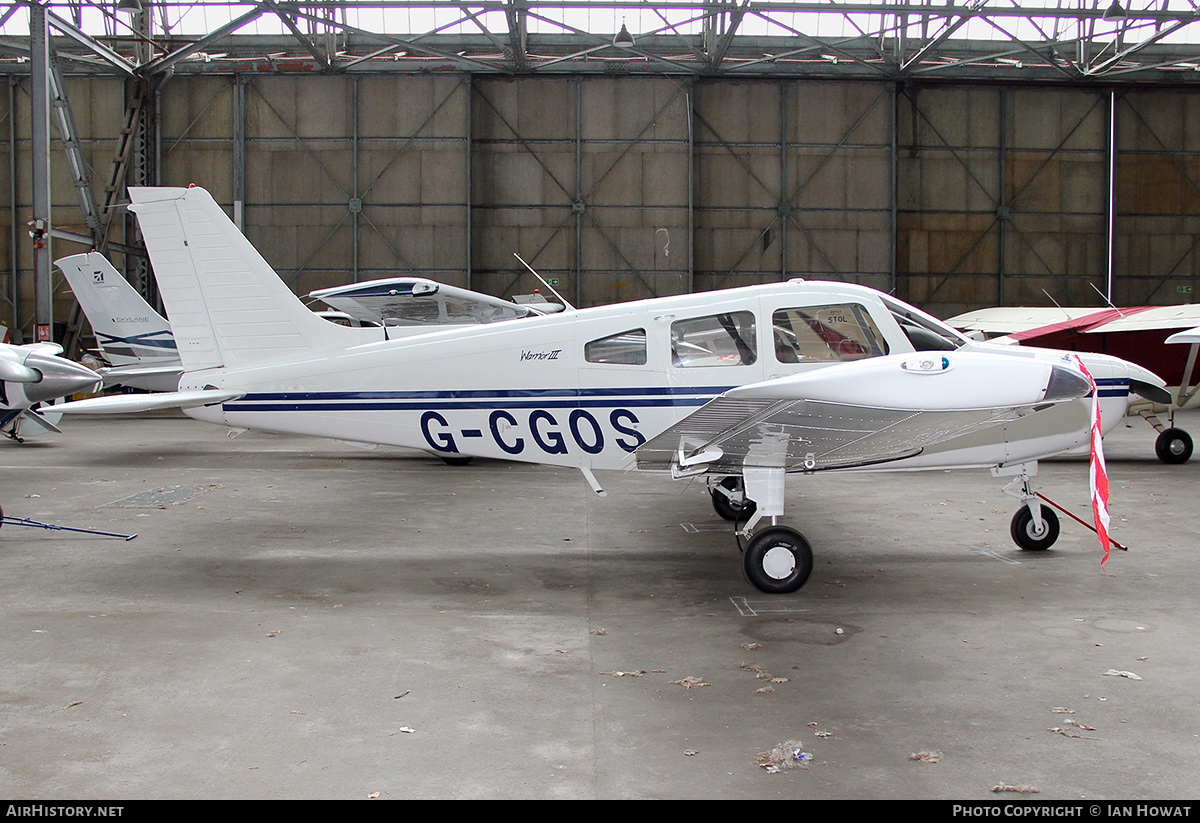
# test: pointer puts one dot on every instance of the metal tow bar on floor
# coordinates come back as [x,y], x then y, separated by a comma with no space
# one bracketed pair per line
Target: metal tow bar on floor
[23,521]
[1080,520]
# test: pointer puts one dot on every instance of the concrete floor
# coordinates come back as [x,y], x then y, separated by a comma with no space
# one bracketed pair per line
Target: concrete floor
[300,618]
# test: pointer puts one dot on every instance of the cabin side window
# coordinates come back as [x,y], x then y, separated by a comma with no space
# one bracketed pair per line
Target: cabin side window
[716,340]
[824,334]
[627,348]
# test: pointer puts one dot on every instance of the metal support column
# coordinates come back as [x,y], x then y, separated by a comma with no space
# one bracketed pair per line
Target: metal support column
[784,206]
[39,63]
[1002,198]
[355,188]
[469,158]
[14,272]
[1110,251]
[691,189]
[239,152]
[894,191]
[578,206]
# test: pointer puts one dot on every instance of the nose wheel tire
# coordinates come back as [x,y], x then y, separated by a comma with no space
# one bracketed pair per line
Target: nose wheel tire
[1028,536]
[778,560]
[1173,446]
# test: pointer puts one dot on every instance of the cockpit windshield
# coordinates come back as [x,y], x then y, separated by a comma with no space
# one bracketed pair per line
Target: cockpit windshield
[925,332]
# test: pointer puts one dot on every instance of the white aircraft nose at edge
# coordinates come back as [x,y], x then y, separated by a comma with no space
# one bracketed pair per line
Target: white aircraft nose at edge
[742,386]
[32,375]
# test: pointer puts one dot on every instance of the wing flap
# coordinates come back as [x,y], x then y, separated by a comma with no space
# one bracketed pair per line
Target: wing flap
[810,435]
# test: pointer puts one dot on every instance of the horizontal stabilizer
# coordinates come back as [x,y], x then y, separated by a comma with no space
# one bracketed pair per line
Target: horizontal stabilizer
[151,378]
[130,403]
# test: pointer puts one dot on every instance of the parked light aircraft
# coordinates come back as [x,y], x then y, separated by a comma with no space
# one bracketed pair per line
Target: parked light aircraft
[742,386]
[1138,334]
[34,374]
[416,304]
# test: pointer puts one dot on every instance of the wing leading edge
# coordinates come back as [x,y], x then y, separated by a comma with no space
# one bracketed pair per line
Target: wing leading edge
[860,414]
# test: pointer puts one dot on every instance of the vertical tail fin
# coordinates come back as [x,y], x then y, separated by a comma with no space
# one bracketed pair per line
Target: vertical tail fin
[128,330]
[228,307]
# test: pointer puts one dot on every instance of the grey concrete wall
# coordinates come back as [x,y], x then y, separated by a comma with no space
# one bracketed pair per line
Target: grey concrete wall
[627,187]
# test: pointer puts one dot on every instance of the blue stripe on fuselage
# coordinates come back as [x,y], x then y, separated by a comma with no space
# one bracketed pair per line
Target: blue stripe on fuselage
[474,399]
[1113,386]
[512,398]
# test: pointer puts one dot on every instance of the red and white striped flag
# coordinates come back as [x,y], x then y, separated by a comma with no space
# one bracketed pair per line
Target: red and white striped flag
[1099,472]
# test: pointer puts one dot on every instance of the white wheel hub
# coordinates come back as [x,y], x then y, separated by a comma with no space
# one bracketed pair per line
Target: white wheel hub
[778,562]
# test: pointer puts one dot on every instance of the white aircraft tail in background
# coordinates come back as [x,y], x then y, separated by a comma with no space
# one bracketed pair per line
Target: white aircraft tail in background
[743,387]
[134,339]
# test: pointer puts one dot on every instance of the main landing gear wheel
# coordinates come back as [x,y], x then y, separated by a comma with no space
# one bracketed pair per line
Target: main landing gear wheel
[778,560]
[456,459]
[726,507]
[1026,533]
[1173,446]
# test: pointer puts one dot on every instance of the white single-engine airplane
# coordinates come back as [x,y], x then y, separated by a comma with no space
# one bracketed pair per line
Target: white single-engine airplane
[741,386]
[34,374]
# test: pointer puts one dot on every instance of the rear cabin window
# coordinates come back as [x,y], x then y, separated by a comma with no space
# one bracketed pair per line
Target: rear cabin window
[824,334]
[628,348]
[716,340]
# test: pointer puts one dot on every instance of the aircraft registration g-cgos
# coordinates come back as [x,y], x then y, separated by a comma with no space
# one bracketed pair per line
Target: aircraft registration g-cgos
[742,386]
[545,433]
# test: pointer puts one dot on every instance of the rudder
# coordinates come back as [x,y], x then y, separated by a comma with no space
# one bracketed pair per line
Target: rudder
[227,306]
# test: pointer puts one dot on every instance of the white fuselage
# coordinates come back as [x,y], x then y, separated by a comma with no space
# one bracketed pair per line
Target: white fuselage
[586,388]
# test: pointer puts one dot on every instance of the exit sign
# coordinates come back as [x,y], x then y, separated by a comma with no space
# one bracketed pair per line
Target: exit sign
[1183,289]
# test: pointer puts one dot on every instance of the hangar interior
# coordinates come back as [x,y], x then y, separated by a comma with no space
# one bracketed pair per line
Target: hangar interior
[320,620]
[959,156]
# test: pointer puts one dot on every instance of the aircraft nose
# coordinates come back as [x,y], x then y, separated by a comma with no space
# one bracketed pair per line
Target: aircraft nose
[60,377]
[1066,384]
